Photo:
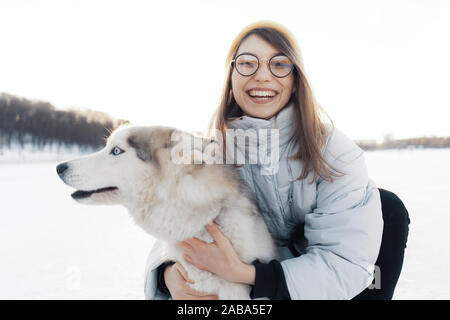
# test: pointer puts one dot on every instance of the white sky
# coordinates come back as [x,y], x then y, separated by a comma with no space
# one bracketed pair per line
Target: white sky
[377,67]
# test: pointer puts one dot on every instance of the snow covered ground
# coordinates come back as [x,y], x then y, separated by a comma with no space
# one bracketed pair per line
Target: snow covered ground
[49,152]
[51,247]
[421,178]
[54,248]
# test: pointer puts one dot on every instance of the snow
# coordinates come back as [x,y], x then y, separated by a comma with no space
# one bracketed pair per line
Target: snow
[51,247]
[50,151]
[421,178]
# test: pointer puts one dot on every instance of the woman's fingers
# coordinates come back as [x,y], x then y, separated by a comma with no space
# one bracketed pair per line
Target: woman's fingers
[183,273]
[189,260]
[198,295]
[177,282]
[185,246]
[217,257]
[195,242]
[215,232]
[190,245]
[190,292]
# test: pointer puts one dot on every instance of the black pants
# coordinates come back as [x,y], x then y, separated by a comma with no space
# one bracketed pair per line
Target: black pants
[390,259]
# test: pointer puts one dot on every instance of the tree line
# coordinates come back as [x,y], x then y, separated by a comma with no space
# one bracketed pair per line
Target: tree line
[40,123]
[409,143]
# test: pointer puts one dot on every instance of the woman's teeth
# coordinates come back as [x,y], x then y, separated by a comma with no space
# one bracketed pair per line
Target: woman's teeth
[262,94]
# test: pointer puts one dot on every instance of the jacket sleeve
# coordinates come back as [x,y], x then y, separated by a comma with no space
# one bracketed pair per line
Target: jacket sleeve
[154,260]
[343,231]
[269,281]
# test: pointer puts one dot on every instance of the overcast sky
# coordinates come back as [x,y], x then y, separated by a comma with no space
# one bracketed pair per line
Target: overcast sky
[377,67]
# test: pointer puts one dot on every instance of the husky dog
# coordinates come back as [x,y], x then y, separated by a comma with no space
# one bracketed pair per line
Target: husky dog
[173,201]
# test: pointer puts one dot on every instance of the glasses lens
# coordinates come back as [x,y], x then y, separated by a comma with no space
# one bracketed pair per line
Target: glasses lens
[246,64]
[281,66]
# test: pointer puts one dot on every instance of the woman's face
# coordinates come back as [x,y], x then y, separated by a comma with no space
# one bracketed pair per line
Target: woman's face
[247,91]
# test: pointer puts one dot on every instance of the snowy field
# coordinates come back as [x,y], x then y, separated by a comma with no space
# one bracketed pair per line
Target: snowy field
[421,178]
[54,248]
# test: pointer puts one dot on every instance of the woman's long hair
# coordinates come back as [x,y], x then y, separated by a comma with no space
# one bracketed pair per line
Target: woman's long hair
[310,132]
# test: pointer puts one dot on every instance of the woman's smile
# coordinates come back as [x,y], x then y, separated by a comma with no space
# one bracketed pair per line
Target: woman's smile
[262,95]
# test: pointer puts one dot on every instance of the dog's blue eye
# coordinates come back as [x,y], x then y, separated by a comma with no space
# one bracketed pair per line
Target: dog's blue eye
[116,151]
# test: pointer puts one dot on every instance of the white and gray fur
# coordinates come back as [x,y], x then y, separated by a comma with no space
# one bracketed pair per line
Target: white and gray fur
[173,202]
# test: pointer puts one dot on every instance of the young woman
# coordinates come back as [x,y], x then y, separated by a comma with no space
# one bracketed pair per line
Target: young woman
[324,212]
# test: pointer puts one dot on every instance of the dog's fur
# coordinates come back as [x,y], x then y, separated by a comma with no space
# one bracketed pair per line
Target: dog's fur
[173,202]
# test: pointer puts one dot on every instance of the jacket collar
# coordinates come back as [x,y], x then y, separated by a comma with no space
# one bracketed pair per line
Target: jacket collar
[283,122]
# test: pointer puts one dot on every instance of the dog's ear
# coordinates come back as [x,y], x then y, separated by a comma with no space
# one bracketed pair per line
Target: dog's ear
[146,147]
[142,147]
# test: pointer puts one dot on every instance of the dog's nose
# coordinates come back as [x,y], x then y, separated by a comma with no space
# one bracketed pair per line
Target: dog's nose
[60,168]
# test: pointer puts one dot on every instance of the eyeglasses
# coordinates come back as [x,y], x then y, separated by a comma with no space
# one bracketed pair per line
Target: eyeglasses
[247,64]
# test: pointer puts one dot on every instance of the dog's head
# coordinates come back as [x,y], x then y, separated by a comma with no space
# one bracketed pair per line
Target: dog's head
[131,161]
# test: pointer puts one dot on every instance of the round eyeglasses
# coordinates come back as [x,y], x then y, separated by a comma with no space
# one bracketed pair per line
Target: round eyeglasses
[247,64]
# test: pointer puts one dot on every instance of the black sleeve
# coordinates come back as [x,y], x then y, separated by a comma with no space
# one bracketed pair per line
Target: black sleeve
[269,281]
[161,283]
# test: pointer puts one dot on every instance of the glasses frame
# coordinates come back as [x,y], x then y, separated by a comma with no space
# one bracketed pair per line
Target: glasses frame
[257,59]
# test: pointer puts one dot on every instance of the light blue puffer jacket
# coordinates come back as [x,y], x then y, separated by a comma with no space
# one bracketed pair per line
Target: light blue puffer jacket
[342,220]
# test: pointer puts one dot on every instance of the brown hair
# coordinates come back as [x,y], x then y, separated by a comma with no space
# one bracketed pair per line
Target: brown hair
[310,133]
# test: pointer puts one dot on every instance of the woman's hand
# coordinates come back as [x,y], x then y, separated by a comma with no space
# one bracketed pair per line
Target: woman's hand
[177,279]
[217,257]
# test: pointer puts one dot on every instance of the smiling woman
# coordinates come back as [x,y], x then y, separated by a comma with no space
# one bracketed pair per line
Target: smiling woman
[320,206]
[270,44]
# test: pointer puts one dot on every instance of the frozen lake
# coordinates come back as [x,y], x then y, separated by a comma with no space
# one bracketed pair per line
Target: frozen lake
[54,248]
